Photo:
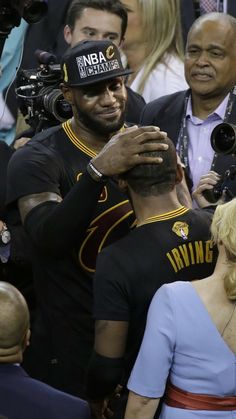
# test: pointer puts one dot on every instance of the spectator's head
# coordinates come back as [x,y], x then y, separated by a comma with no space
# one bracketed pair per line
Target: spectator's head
[156,26]
[223,231]
[210,60]
[149,180]
[93,83]
[14,324]
[95,19]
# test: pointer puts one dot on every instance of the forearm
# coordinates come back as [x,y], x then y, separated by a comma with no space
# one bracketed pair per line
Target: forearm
[104,374]
[140,407]
[57,226]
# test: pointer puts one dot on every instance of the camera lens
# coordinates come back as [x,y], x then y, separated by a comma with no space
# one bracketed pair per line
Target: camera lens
[35,10]
[55,104]
[223,138]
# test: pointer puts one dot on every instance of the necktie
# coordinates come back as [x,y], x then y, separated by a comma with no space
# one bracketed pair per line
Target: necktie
[208,6]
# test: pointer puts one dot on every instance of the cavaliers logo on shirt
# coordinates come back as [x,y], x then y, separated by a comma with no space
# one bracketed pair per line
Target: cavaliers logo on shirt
[181,229]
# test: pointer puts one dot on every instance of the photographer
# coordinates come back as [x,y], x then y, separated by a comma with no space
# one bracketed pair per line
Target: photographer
[189,117]
[15,249]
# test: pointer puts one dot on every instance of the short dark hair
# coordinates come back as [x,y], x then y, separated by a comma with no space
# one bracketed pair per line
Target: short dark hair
[154,179]
[76,8]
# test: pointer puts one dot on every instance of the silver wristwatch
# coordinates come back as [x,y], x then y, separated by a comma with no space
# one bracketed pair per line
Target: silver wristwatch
[5,235]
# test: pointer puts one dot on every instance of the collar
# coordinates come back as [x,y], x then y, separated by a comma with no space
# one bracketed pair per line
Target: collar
[219,112]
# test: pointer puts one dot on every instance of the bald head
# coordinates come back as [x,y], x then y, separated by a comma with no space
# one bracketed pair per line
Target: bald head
[219,18]
[14,318]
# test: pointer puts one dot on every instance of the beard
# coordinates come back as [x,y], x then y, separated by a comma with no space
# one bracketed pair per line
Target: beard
[100,126]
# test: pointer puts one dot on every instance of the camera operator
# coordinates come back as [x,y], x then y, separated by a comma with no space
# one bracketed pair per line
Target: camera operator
[15,19]
[189,117]
[15,249]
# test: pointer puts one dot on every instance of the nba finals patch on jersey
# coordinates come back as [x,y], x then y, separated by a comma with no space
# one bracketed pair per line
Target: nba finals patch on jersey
[91,62]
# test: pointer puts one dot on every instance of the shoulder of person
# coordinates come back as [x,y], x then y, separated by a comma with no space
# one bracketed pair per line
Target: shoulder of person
[135,95]
[163,105]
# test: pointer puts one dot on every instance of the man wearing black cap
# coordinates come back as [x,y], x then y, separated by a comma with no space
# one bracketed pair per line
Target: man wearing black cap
[63,183]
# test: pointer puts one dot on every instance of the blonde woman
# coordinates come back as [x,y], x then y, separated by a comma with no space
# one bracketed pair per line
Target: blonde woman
[190,339]
[154,48]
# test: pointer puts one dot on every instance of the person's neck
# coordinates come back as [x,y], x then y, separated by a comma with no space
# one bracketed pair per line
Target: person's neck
[202,106]
[222,266]
[90,138]
[151,206]
[10,357]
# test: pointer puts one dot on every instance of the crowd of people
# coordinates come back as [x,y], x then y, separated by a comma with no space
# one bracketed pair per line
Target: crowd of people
[117,260]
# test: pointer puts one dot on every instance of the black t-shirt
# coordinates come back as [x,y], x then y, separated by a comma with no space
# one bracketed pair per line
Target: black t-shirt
[175,246]
[55,161]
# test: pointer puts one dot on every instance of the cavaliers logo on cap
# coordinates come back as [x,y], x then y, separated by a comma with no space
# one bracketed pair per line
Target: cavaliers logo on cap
[181,229]
[110,52]
[65,77]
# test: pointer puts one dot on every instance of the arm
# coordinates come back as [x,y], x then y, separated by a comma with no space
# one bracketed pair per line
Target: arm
[140,407]
[111,312]
[106,364]
[55,225]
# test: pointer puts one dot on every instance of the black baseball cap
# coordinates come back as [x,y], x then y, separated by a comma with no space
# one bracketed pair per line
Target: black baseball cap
[90,62]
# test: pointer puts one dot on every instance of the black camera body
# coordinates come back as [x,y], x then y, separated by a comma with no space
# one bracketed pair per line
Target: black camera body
[38,94]
[11,12]
[223,141]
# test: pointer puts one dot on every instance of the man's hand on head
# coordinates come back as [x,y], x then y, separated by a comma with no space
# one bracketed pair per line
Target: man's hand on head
[124,150]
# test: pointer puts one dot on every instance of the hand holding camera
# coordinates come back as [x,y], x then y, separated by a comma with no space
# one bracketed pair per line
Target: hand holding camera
[223,141]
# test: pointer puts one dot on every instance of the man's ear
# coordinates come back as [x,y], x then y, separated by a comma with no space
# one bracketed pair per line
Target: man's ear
[123,186]
[26,339]
[179,173]
[67,34]
[67,93]
[121,44]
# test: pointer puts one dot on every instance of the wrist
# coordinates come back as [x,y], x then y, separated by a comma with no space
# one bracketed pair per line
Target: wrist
[5,235]
[96,174]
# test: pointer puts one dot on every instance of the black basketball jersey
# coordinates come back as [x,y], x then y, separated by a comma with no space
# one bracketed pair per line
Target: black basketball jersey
[169,247]
[54,161]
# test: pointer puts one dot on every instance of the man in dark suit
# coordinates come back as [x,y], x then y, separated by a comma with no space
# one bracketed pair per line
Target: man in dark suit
[189,117]
[20,395]
[192,9]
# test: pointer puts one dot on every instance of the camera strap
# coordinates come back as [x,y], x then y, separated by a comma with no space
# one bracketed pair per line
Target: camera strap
[183,141]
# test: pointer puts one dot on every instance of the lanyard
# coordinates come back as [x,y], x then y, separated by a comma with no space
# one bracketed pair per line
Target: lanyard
[184,137]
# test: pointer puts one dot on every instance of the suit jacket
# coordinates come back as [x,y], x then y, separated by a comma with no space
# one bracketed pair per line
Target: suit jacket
[47,34]
[167,112]
[26,398]
[188,14]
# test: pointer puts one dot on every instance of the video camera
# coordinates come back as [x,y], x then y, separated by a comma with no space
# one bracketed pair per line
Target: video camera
[39,96]
[223,141]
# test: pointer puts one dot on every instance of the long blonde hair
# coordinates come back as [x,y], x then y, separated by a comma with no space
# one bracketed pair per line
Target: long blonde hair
[223,230]
[161,26]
